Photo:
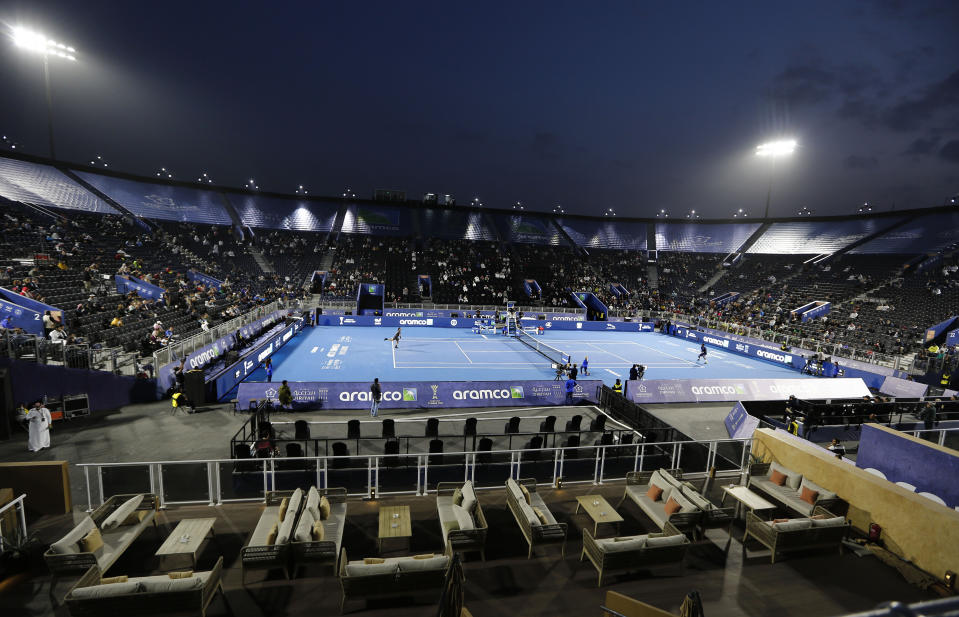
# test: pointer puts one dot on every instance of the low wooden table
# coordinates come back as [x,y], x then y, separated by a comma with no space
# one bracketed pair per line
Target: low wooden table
[744,498]
[403,525]
[600,511]
[186,539]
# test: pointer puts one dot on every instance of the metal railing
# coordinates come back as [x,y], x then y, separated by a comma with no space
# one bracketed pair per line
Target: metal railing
[34,348]
[181,349]
[249,479]
[948,437]
[16,533]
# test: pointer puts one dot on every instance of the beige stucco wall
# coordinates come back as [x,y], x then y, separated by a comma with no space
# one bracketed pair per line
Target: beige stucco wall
[915,528]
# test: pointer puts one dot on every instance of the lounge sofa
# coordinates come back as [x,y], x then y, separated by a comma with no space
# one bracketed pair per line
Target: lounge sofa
[630,553]
[823,530]
[269,544]
[794,486]
[462,522]
[101,536]
[638,485]
[93,596]
[537,523]
[375,577]
[312,546]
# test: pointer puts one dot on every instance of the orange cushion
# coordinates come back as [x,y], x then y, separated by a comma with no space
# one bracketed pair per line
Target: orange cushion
[809,496]
[780,520]
[672,506]
[654,492]
[778,478]
[818,517]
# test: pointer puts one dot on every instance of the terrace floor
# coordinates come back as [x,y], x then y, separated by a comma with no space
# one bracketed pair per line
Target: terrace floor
[800,585]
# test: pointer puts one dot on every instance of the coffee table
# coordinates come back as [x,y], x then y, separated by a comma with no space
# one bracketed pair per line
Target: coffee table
[395,522]
[186,539]
[744,498]
[599,511]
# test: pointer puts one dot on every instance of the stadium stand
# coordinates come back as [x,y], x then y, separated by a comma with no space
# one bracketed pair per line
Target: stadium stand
[528,229]
[277,213]
[703,237]
[817,237]
[455,225]
[160,201]
[605,234]
[43,185]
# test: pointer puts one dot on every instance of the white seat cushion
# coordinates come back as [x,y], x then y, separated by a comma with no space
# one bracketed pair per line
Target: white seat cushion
[463,518]
[118,516]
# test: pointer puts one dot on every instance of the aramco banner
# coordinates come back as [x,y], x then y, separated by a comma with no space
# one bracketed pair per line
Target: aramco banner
[701,390]
[739,424]
[423,394]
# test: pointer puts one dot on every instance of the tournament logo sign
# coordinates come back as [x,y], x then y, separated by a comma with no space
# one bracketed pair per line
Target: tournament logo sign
[516,391]
[409,394]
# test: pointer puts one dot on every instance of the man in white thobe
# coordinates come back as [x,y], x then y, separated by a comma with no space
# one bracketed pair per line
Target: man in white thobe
[40,421]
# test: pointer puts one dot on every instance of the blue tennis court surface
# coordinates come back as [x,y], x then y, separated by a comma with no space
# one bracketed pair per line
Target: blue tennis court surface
[452,354]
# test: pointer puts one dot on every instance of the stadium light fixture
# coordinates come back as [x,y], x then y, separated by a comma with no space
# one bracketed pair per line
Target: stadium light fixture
[773,150]
[301,191]
[558,209]
[609,212]
[206,178]
[163,172]
[477,202]
[865,208]
[782,147]
[804,211]
[36,42]
[99,162]
[662,214]
[740,213]
[518,206]
[251,185]
[692,215]
[349,194]
[10,143]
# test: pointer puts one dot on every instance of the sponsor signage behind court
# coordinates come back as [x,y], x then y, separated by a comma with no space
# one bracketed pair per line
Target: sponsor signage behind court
[702,390]
[423,394]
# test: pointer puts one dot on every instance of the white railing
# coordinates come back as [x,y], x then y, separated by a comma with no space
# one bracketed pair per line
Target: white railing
[18,534]
[236,480]
[935,435]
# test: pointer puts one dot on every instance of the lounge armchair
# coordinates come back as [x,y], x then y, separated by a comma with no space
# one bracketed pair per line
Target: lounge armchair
[630,553]
[823,530]
[537,523]
[146,595]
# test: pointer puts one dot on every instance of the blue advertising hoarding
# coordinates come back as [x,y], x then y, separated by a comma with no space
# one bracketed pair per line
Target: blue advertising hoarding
[462,322]
[237,372]
[126,284]
[739,424]
[24,313]
[812,310]
[423,394]
[934,331]
[207,280]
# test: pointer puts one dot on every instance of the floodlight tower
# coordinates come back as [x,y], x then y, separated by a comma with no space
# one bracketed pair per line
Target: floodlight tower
[39,43]
[774,150]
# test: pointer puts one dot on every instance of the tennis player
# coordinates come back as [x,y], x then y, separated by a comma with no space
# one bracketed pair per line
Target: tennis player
[702,354]
[584,367]
[395,338]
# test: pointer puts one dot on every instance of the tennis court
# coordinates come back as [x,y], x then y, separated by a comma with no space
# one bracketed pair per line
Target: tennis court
[451,354]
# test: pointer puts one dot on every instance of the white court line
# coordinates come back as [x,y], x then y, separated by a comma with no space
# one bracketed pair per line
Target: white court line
[314,350]
[394,354]
[484,336]
[511,365]
[664,353]
[609,371]
[468,359]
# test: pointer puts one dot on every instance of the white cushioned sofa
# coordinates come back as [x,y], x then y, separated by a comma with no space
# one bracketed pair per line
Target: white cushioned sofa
[462,522]
[101,536]
[537,523]
[790,492]
[822,529]
[320,544]
[690,514]
[630,553]
[269,544]
[376,577]
[93,596]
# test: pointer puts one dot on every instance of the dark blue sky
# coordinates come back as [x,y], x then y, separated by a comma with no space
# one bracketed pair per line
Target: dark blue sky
[589,105]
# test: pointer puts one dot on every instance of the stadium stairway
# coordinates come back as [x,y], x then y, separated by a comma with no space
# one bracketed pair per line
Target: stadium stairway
[260,260]
[712,280]
[652,277]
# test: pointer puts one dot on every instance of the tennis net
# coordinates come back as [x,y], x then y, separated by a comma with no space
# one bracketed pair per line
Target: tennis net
[555,356]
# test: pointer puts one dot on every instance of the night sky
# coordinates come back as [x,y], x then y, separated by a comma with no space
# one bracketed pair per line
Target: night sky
[633,106]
